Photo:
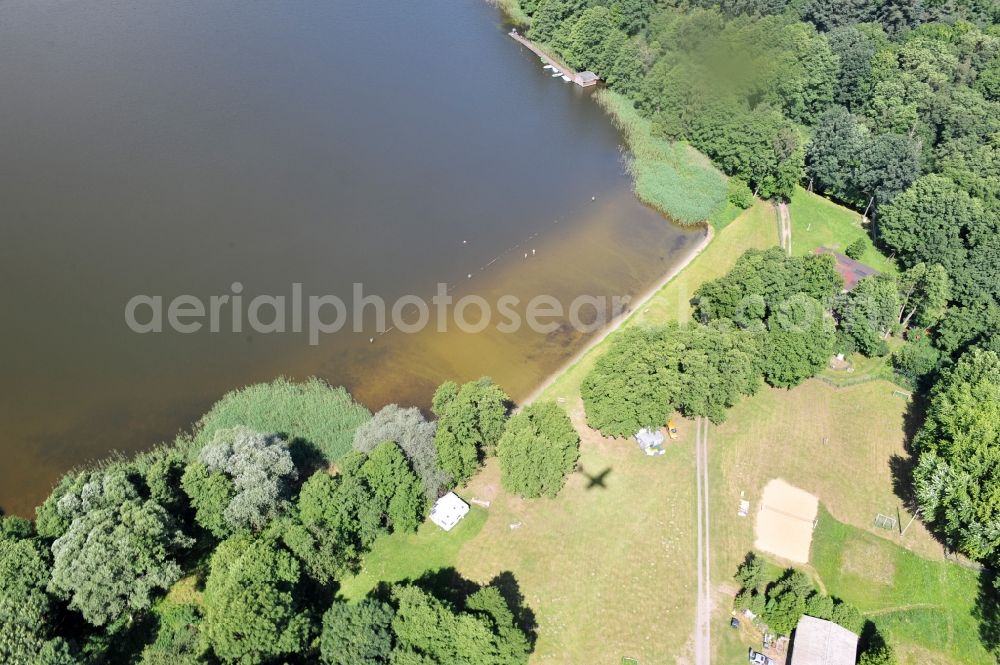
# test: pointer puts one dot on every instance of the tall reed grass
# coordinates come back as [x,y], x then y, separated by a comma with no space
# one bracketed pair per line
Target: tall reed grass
[670,176]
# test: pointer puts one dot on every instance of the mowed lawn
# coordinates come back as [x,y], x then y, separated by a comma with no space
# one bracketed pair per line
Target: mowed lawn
[398,557]
[923,606]
[819,222]
[608,567]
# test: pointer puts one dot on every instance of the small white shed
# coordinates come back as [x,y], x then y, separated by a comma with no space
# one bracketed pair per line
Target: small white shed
[449,511]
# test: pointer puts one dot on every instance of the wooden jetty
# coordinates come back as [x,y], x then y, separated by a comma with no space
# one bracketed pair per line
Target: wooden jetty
[582,79]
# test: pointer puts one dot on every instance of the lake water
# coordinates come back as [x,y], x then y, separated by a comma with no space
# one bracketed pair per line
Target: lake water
[177,147]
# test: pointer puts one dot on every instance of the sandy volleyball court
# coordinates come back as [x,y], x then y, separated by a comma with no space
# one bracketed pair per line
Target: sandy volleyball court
[785,521]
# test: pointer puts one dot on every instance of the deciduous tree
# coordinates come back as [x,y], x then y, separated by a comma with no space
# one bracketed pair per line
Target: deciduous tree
[356,633]
[957,478]
[537,450]
[395,487]
[408,429]
[261,469]
[470,422]
[112,560]
[254,602]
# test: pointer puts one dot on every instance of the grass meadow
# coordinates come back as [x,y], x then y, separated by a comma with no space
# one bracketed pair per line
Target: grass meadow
[398,557]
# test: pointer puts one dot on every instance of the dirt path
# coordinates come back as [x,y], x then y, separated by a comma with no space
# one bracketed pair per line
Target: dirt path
[785,227]
[703,608]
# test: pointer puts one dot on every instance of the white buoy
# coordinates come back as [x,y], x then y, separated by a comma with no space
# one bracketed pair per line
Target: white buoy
[525,255]
[593,198]
[371,339]
[469,275]
[532,252]
[465,242]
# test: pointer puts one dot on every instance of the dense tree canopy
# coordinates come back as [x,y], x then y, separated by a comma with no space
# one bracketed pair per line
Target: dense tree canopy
[261,469]
[394,486]
[408,429]
[957,478]
[115,568]
[751,82]
[430,630]
[357,633]
[761,282]
[937,222]
[799,341]
[26,609]
[112,559]
[647,373]
[254,606]
[537,450]
[470,421]
[869,313]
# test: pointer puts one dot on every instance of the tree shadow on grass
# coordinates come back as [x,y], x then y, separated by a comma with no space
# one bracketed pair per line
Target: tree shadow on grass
[447,584]
[524,616]
[987,612]
[901,466]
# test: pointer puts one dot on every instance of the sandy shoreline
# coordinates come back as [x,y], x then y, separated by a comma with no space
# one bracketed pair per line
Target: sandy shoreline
[635,306]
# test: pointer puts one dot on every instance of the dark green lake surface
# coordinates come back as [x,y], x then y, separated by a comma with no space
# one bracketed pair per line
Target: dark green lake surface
[177,147]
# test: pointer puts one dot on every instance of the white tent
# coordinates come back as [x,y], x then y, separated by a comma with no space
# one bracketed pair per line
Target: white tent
[448,511]
[650,441]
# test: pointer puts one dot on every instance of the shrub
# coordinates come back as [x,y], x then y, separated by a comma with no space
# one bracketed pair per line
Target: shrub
[856,249]
[750,573]
[917,359]
[848,616]
[740,194]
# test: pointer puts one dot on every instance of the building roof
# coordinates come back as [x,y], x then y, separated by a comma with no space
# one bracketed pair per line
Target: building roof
[852,271]
[820,642]
[448,511]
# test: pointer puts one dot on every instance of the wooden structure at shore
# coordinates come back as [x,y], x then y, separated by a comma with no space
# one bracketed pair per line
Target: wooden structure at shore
[582,79]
